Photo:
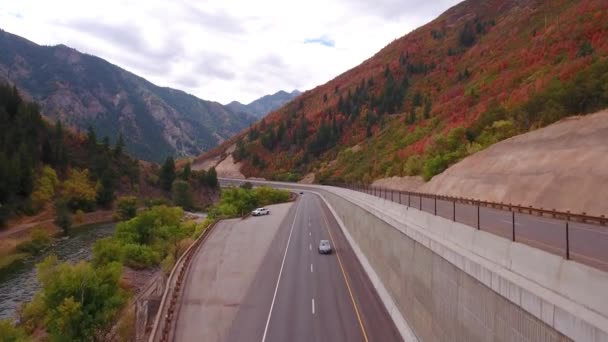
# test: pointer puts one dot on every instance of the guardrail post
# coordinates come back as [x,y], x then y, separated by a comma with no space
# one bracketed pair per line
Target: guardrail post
[409,197]
[454,210]
[567,240]
[478,224]
[513,227]
[400,197]
[420,196]
[435,197]
[392,195]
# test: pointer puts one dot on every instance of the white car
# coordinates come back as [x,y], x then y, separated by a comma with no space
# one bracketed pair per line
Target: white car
[260,212]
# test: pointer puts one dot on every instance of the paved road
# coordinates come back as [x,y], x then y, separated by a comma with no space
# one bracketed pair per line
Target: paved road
[298,294]
[221,272]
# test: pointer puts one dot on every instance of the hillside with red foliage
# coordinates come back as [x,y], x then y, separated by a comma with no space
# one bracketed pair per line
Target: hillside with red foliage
[480,73]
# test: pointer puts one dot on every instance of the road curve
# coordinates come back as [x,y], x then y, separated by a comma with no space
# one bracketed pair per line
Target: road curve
[300,295]
[295,294]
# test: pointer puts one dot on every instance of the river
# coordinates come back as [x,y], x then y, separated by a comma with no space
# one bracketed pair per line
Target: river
[21,285]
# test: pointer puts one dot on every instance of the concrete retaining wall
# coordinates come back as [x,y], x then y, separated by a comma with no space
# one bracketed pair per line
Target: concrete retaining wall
[439,302]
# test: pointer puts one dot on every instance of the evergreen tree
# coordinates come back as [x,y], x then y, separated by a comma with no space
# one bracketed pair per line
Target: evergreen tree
[91,140]
[105,189]
[427,108]
[167,174]
[120,145]
[186,172]
[212,178]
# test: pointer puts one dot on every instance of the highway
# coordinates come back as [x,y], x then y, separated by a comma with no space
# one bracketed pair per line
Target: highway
[292,293]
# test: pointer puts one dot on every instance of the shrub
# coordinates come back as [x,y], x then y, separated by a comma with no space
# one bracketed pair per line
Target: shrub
[413,165]
[10,332]
[39,241]
[79,191]
[107,250]
[267,195]
[126,208]
[45,187]
[63,219]
[79,301]
[139,256]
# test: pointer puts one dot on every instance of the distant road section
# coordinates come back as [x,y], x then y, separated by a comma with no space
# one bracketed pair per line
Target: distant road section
[221,272]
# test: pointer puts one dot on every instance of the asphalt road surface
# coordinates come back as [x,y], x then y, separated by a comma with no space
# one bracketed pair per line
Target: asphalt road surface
[221,272]
[298,294]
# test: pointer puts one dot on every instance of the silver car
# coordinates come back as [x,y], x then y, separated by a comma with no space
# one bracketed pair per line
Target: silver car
[260,212]
[324,247]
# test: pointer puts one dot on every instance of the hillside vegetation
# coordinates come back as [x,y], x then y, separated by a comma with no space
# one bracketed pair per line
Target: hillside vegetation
[83,90]
[482,72]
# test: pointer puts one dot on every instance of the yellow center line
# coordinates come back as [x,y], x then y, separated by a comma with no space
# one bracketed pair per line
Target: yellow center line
[350,292]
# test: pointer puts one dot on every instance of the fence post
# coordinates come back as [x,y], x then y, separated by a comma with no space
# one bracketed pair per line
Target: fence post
[392,195]
[400,197]
[478,225]
[435,197]
[454,210]
[409,197]
[420,196]
[513,228]
[567,240]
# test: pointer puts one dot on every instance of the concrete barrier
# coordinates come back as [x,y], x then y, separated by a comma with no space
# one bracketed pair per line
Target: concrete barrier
[453,282]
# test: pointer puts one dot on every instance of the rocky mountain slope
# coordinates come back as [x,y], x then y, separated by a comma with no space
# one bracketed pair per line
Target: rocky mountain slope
[84,90]
[264,105]
[480,73]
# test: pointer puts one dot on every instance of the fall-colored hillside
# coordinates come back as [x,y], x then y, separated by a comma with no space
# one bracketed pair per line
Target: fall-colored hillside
[481,72]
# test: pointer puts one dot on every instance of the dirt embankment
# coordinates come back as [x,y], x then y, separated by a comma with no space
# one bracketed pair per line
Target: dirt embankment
[226,168]
[563,166]
[400,183]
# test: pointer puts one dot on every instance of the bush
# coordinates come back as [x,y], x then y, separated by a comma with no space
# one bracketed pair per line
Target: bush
[126,208]
[434,166]
[107,250]
[413,165]
[45,188]
[63,218]
[79,191]
[9,332]
[139,256]
[40,240]
[79,302]
[267,195]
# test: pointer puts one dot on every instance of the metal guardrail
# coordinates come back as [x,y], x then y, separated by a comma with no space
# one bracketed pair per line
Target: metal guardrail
[167,311]
[574,236]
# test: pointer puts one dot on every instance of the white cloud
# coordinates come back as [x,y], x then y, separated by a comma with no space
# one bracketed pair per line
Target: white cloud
[223,50]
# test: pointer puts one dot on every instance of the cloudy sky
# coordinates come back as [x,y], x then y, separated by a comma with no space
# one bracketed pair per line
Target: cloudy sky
[223,50]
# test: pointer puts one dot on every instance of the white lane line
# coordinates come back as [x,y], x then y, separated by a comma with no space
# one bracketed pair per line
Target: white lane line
[309,247]
[276,289]
[313,306]
[310,268]
[309,234]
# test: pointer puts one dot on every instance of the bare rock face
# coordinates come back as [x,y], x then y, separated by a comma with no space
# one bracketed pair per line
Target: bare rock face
[84,90]
[562,166]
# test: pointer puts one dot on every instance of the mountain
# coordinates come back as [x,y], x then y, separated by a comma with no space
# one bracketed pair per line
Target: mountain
[264,105]
[84,90]
[481,72]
